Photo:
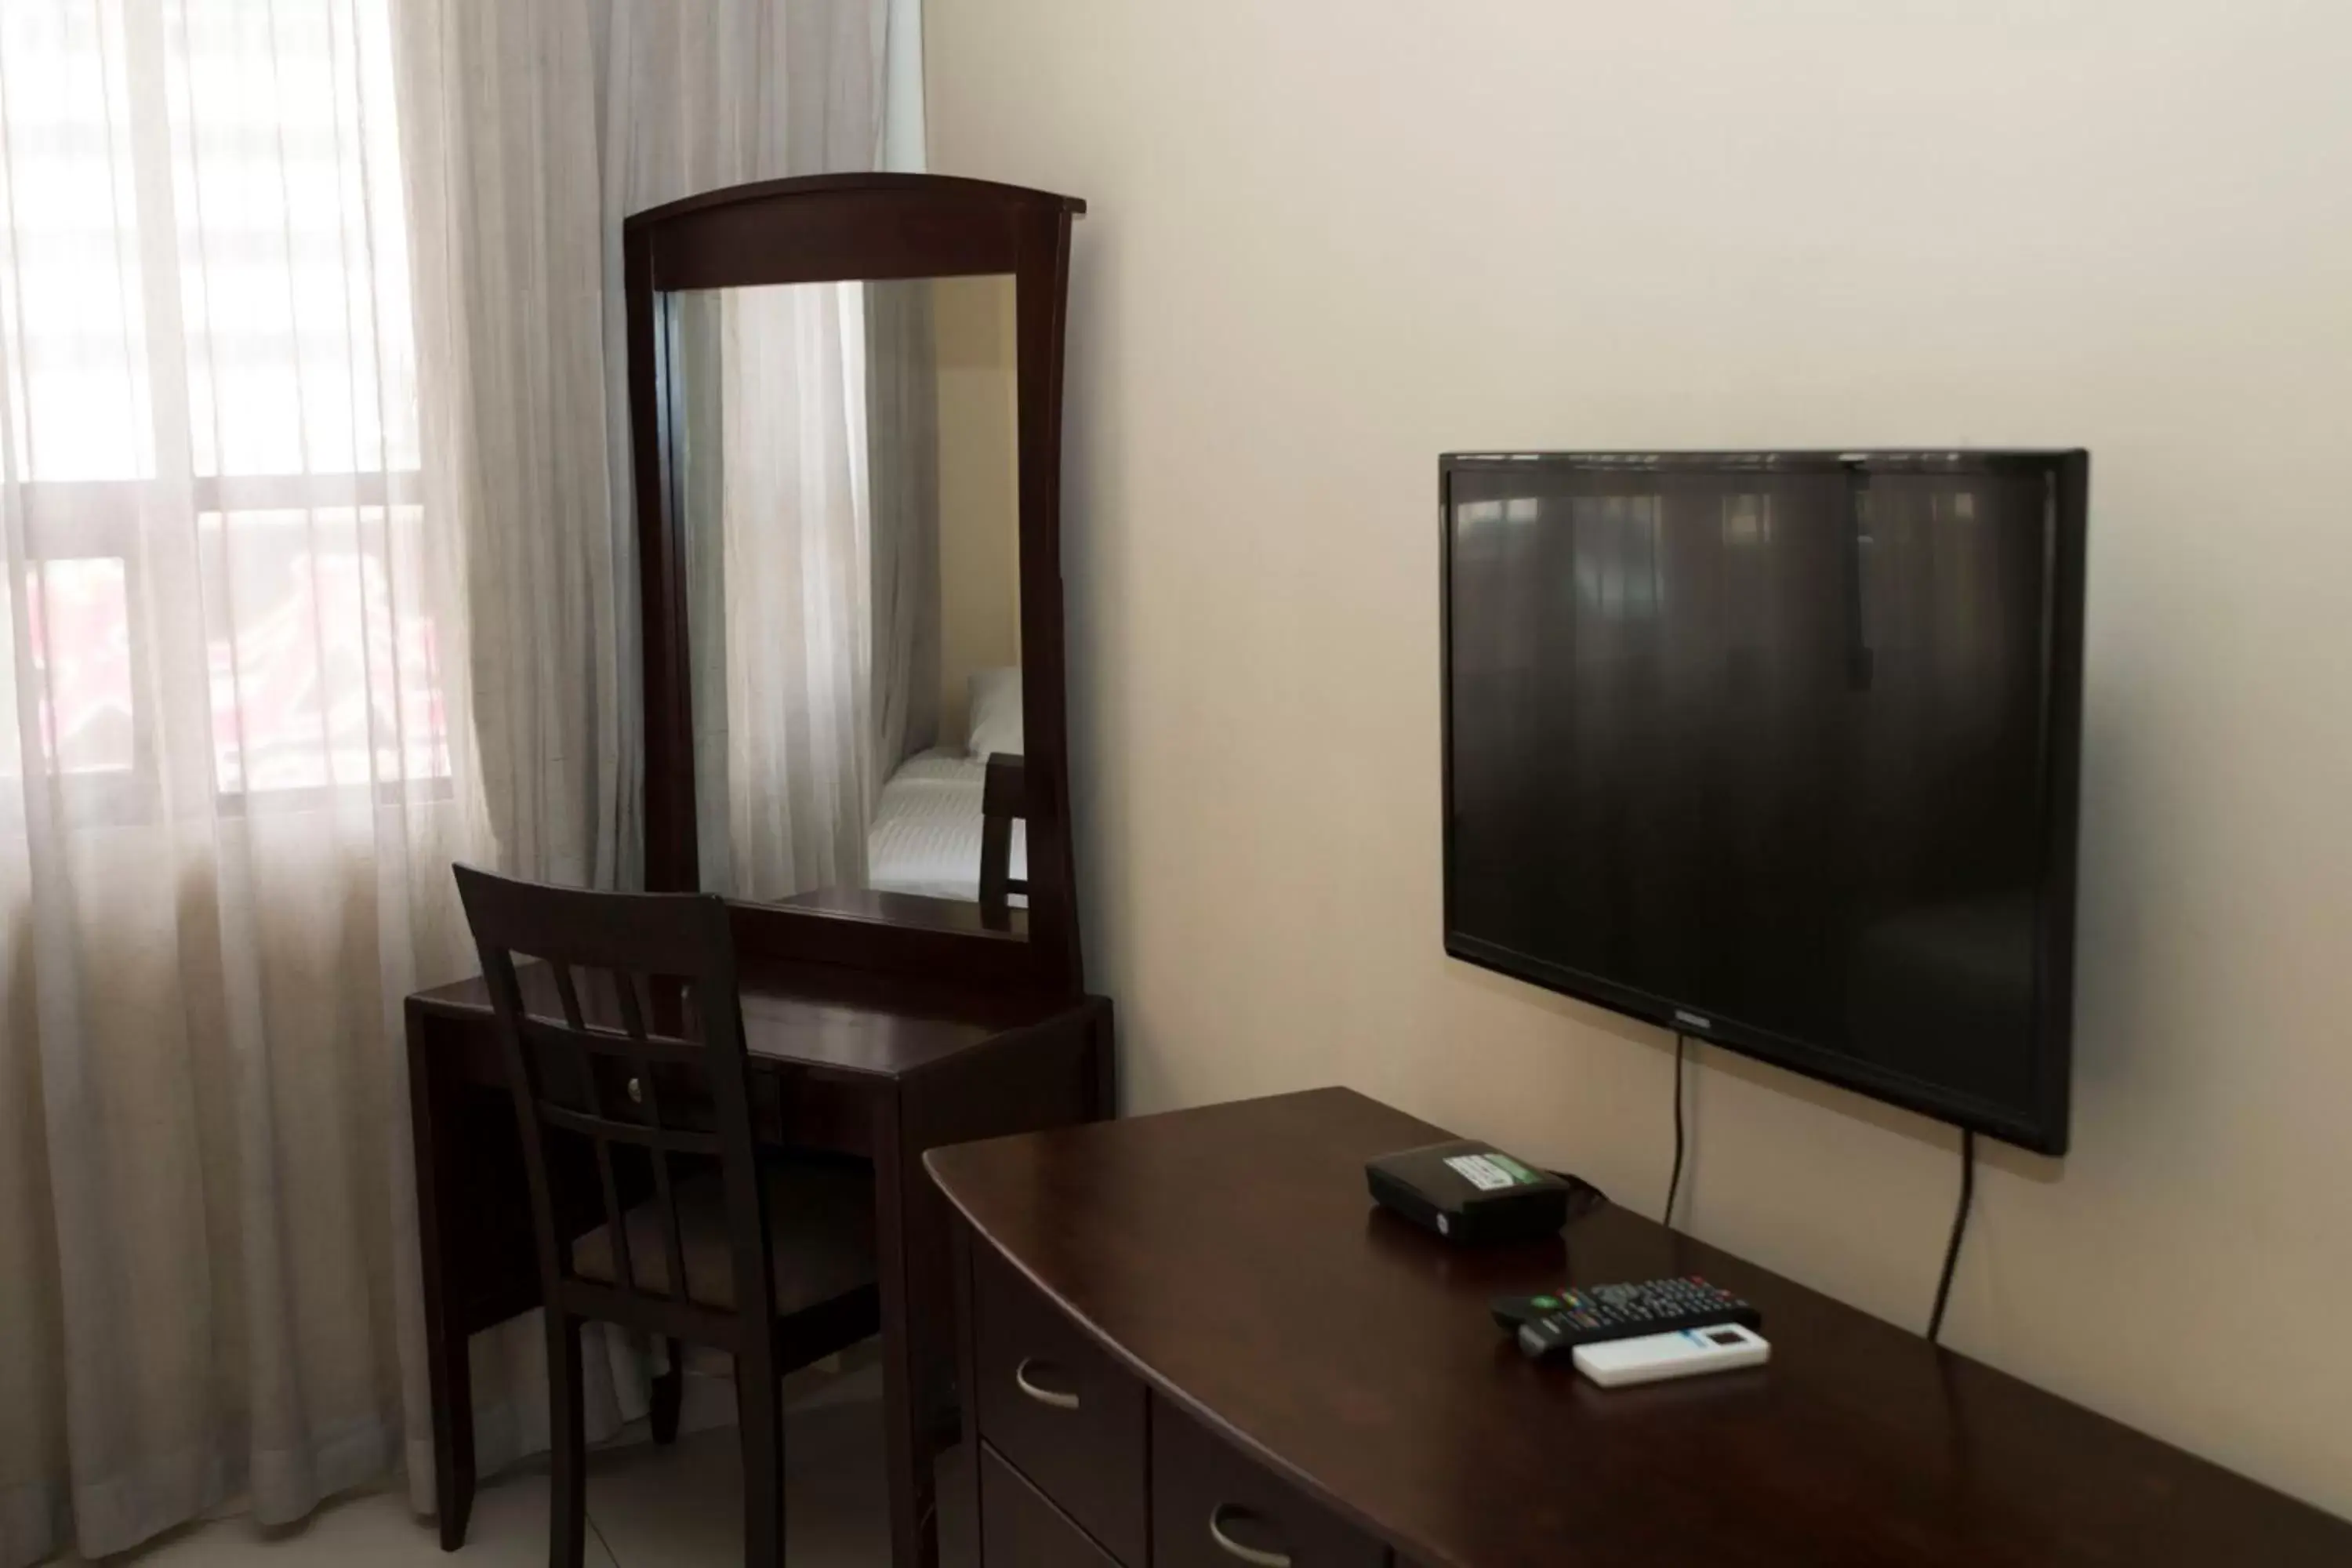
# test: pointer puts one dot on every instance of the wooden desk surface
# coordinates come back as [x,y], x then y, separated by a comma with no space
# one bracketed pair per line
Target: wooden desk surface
[960,915]
[1231,1255]
[840,1020]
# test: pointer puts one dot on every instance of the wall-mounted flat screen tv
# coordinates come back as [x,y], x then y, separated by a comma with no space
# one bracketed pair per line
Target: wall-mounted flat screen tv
[1779,749]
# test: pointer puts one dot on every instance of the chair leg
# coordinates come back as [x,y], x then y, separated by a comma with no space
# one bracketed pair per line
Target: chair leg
[760,1423]
[670,1395]
[567,1494]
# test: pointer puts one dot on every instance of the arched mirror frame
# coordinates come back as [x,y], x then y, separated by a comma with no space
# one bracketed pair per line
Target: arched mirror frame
[830,229]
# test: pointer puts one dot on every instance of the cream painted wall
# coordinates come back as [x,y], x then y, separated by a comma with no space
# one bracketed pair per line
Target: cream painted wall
[1330,241]
[980,489]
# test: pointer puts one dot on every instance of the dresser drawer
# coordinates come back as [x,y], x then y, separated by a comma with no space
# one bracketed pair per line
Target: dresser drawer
[1018,1529]
[1212,1507]
[1059,1408]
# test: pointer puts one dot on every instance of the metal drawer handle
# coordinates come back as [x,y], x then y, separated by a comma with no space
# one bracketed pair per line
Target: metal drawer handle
[1052,1396]
[1232,1548]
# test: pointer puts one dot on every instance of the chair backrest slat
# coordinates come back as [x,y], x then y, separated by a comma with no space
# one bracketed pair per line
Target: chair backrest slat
[665,1188]
[633,1017]
[608,1185]
[571,996]
[669,956]
[606,1043]
[632,1133]
[615,1212]
[650,1083]
[644,1091]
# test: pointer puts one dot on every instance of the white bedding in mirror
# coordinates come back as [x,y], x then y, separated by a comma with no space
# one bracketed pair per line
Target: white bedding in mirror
[925,836]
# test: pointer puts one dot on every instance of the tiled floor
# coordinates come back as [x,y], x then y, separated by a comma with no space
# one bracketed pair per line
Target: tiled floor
[678,1507]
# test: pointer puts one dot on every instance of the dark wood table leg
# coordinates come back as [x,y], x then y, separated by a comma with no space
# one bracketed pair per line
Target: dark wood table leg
[913,1534]
[1102,1041]
[434,1121]
[452,1437]
[967,1383]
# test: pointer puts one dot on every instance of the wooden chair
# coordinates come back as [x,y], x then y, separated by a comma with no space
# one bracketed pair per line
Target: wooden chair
[737,1246]
[1003,799]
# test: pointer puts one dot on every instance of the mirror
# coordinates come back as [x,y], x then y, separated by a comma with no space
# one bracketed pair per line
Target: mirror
[845,458]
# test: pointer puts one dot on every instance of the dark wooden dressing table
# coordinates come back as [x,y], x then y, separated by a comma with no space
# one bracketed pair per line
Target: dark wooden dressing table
[893,1013]
[1191,1342]
[859,1064]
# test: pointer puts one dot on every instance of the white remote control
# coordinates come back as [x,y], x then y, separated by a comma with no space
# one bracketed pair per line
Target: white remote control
[1613,1363]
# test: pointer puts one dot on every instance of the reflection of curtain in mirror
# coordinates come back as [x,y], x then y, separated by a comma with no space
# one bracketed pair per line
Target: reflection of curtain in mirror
[902,439]
[796,649]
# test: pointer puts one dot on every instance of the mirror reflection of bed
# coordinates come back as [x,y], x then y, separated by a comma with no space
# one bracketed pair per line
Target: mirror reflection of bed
[931,823]
[849,480]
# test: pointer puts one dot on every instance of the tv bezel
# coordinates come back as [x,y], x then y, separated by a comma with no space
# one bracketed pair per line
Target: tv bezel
[2042,1126]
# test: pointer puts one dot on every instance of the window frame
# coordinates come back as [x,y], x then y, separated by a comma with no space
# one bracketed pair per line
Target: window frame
[99,519]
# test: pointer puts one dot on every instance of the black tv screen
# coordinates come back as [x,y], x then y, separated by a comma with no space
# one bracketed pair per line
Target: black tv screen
[1779,749]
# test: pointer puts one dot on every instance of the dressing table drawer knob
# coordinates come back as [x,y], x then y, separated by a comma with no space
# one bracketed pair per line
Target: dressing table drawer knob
[1258,1557]
[1053,1398]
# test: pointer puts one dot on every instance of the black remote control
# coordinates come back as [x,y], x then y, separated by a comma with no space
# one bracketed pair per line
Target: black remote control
[1510,1311]
[1590,1314]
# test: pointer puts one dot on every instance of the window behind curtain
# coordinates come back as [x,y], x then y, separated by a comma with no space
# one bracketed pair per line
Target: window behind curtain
[210,403]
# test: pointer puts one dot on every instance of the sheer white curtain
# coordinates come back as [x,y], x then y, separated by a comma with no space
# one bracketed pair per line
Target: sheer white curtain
[311,580]
[541,124]
[779,539]
[236,763]
[810,469]
[784,742]
[532,127]
[902,420]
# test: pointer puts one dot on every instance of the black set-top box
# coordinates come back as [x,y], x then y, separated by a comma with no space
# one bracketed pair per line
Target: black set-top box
[1469,1192]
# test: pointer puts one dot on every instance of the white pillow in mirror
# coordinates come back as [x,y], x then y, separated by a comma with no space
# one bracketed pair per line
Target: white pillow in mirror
[995,712]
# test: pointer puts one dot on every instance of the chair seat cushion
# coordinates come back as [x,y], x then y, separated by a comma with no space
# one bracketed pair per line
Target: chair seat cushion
[821,1235]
